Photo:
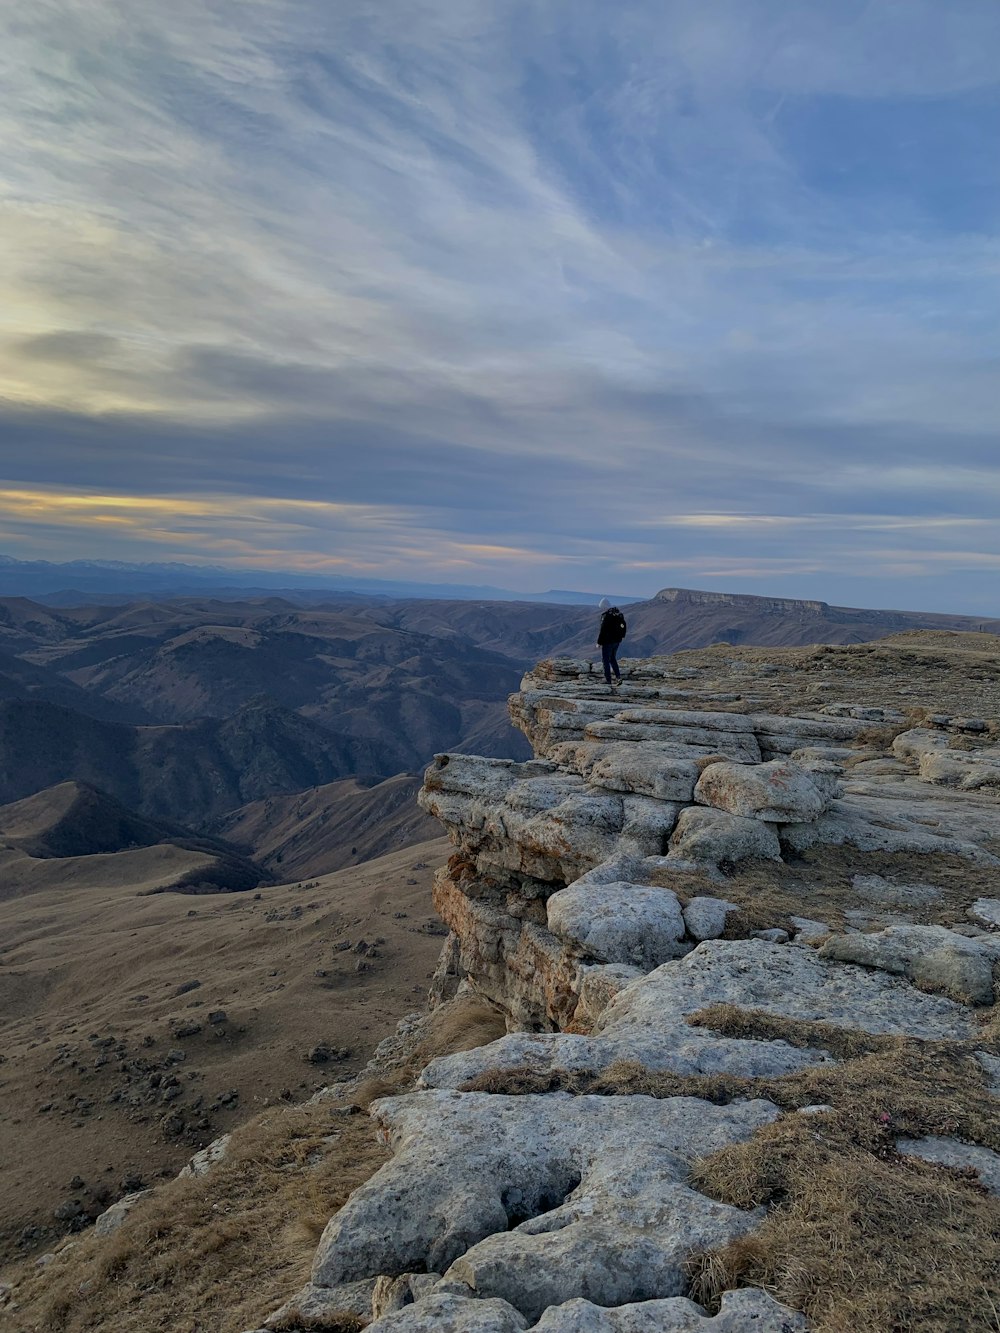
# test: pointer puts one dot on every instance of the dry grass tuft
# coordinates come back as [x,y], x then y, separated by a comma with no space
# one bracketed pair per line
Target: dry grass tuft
[295,1322]
[880,736]
[226,1248]
[858,1241]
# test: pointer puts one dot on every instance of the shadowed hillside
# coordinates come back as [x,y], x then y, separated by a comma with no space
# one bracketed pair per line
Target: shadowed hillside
[190,773]
[243,701]
[327,828]
[75,837]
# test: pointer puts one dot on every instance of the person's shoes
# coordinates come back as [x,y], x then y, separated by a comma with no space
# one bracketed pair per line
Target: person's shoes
[615,683]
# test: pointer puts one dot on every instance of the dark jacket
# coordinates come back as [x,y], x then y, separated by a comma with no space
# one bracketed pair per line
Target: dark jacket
[613,628]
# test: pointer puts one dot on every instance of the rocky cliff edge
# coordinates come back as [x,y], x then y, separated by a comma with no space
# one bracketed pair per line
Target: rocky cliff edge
[747,958]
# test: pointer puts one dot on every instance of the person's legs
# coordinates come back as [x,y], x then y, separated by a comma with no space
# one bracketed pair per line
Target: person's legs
[613,655]
[608,656]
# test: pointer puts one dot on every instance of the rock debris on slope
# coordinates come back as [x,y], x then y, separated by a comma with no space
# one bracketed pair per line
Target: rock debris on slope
[576,900]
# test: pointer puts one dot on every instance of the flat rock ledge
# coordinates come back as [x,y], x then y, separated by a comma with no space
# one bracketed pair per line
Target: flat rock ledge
[576,901]
[538,1200]
[746,1311]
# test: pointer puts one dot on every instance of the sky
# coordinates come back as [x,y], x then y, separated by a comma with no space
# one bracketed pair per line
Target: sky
[535,293]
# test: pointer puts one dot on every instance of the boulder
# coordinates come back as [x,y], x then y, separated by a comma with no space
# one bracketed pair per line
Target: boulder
[719,838]
[987,912]
[705,917]
[775,935]
[112,1218]
[202,1162]
[912,745]
[931,956]
[646,825]
[597,985]
[779,792]
[619,923]
[396,1293]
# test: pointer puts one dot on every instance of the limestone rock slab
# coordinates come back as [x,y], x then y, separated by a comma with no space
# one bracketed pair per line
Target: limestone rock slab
[619,922]
[879,825]
[778,792]
[705,917]
[738,745]
[646,1021]
[953,1152]
[539,1199]
[664,771]
[622,1239]
[444,1312]
[748,1310]
[719,838]
[531,819]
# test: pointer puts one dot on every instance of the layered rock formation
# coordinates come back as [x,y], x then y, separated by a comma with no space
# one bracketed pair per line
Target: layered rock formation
[663,863]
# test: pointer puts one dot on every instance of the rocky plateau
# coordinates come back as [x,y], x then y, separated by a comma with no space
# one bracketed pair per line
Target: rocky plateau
[678,893]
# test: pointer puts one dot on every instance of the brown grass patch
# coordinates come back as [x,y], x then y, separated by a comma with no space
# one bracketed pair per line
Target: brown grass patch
[819,885]
[296,1322]
[862,1241]
[224,1250]
[227,1248]
[881,735]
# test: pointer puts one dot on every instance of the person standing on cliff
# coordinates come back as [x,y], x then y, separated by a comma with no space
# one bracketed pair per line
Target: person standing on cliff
[613,629]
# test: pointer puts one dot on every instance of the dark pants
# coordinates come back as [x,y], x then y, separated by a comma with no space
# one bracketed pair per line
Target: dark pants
[608,653]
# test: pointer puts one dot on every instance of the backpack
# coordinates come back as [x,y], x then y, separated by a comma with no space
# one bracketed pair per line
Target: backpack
[614,623]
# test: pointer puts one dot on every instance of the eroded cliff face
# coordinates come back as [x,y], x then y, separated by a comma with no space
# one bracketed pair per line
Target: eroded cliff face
[711,914]
[589,856]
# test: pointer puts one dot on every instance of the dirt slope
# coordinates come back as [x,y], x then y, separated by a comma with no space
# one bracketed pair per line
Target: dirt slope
[115,1067]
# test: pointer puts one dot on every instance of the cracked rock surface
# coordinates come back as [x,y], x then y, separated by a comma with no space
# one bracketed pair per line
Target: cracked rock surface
[539,1199]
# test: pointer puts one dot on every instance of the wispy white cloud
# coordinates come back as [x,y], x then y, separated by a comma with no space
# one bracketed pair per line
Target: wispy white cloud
[546,272]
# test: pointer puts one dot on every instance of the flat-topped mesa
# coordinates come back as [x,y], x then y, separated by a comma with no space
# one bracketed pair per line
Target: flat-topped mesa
[782,606]
[573,871]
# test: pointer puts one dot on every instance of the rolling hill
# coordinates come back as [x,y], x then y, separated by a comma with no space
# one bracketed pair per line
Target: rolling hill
[190,774]
[73,836]
[326,828]
[191,708]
